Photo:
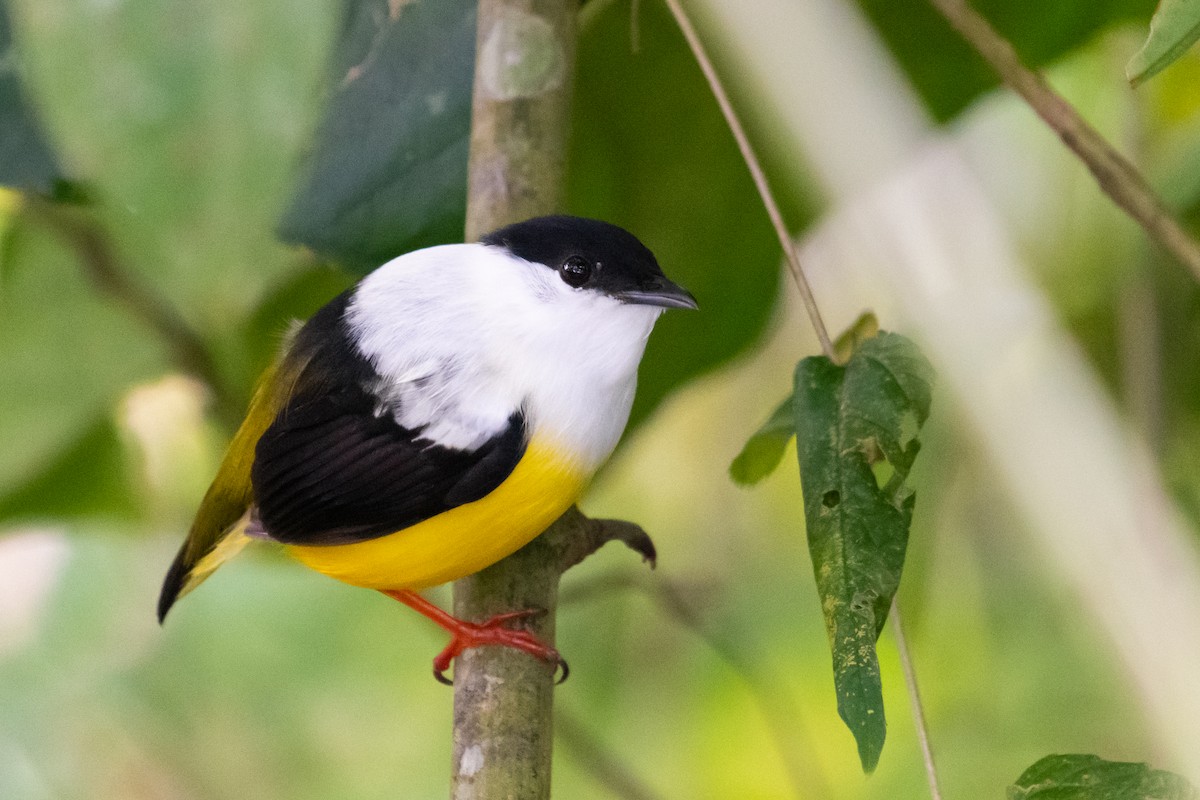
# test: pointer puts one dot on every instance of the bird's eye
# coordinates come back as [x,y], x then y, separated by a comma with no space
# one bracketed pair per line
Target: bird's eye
[576,271]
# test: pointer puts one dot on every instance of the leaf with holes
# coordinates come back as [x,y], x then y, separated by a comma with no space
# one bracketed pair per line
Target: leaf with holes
[1174,28]
[1086,777]
[764,450]
[856,428]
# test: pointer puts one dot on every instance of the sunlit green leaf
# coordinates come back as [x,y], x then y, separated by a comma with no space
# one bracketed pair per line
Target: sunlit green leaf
[850,421]
[26,159]
[1087,777]
[1174,28]
[764,450]
[388,172]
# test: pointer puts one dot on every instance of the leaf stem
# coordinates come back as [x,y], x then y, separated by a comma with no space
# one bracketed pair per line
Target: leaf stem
[914,698]
[756,172]
[1117,177]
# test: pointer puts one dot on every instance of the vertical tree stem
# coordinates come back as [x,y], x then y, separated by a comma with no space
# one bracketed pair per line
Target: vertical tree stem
[503,699]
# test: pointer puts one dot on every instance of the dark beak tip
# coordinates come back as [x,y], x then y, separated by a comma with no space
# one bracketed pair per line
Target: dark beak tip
[670,295]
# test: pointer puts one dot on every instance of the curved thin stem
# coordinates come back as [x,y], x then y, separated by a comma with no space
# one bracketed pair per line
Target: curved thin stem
[1117,178]
[914,698]
[760,178]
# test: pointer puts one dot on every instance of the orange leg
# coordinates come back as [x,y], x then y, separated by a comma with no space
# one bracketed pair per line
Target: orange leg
[465,635]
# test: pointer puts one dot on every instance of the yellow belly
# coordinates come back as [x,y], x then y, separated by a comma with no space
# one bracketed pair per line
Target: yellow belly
[462,540]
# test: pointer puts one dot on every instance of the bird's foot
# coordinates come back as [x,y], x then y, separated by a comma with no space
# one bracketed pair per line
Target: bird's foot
[466,635]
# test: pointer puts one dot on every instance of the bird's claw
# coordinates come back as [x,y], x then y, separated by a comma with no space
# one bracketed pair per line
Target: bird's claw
[467,635]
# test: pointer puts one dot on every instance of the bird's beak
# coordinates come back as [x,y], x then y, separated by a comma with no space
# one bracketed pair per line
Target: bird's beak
[662,292]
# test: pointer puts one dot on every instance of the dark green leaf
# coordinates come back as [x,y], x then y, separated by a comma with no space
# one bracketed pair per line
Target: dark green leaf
[1088,777]
[1174,28]
[388,172]
[949,75]
[849,420]
[26,160]
[764,450]
[651,152]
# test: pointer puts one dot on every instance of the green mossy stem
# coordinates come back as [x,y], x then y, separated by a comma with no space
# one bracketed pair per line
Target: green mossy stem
[503,699]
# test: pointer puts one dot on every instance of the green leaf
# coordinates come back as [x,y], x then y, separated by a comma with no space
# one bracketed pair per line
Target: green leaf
[851,420]
[949,75]
[1174,28]
[651,152]
[764,450]
[388,172]
[91,477]
[26,159]
[1087,777]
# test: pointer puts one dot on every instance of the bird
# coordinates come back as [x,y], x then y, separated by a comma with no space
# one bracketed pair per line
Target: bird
[438,415]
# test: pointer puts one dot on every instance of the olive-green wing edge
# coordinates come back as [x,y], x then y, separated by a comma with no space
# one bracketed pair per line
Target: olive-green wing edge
[218,532]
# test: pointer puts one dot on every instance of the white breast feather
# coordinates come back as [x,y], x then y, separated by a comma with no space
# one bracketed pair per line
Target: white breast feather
[464,335]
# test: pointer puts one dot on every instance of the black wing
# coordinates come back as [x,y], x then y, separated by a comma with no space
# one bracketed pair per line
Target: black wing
[330,471]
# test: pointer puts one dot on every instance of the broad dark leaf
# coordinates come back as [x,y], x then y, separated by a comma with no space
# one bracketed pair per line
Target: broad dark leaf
[389,168]
[855,424]
[1086,777]
[949,75]
[1174,28]
[26,159]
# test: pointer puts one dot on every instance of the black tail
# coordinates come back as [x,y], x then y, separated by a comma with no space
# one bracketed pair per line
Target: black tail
[173,583]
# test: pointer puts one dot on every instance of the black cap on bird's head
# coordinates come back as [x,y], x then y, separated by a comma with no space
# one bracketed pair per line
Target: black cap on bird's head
[594,255]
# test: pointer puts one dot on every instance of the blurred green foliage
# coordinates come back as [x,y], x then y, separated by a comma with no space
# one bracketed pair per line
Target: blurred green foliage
[26,159]
[948,74]
[198,127]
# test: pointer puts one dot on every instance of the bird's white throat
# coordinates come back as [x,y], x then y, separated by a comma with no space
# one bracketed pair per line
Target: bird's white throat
[462,336]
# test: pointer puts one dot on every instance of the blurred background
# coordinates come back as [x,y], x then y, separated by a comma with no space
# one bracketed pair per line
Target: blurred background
[212,177]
